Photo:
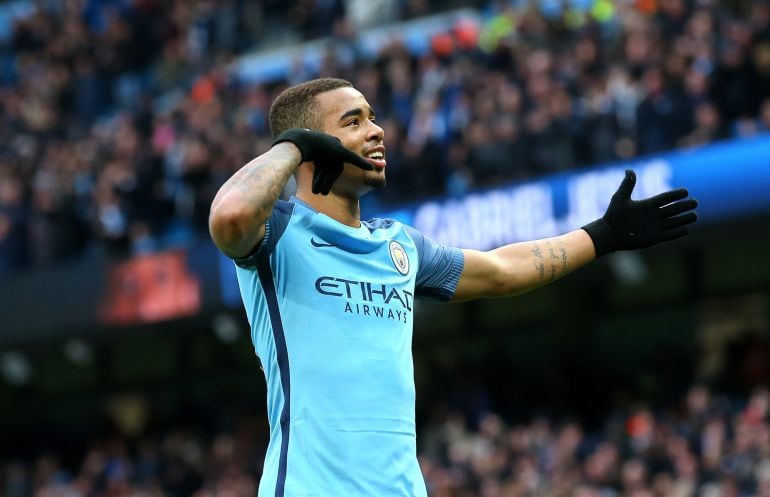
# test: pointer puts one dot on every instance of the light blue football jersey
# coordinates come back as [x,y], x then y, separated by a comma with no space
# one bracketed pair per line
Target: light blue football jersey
[330,309]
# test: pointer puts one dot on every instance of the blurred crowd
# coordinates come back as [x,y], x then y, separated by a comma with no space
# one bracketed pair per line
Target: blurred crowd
[706,446]
[121,118]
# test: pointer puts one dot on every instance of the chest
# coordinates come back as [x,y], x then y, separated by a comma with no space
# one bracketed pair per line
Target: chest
[378,267]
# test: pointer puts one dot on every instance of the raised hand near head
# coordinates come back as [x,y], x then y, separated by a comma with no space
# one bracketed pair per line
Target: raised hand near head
[326,152]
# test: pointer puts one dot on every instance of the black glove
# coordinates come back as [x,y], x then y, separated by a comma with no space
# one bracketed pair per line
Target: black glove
[326,152]
[637,224]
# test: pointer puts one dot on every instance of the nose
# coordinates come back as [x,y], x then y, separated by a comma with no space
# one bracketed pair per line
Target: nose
[375,132]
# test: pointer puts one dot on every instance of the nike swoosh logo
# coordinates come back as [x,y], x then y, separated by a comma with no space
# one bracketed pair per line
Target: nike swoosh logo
[319,244]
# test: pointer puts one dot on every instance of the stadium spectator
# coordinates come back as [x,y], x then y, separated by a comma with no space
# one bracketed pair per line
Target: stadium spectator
[707,444]
[121,120]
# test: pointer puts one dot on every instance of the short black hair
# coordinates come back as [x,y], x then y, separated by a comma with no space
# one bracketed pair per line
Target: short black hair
[294,106]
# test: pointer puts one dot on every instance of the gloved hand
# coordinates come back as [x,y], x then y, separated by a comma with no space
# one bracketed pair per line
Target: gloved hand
[637,224]
[326,152]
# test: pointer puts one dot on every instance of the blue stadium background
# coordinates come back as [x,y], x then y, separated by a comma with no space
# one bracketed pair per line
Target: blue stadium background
[125,362]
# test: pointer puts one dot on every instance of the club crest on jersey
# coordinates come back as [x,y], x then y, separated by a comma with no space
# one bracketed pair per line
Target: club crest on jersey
[399,257]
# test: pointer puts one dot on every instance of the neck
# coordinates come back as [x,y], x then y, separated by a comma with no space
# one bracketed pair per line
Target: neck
[344,209]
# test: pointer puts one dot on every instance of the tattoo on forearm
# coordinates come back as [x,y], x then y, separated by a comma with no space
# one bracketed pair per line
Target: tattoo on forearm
[564,264]
[558,260]
[554,261]
[537,259]
[262,184]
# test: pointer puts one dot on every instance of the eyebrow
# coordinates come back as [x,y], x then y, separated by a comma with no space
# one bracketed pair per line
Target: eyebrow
[356,112]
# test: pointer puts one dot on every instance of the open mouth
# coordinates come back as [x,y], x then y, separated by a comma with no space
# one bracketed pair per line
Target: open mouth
[376,157]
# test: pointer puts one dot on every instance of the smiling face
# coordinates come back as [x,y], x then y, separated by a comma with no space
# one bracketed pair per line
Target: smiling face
[345,113]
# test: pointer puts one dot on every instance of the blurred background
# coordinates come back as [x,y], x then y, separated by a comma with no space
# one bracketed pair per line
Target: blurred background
[126,367]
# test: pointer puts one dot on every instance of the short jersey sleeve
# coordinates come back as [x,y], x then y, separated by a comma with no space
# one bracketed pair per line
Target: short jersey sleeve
[440,267]
[274,227]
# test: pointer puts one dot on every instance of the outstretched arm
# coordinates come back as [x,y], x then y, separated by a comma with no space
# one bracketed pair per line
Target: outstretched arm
[520,267]
[627,225]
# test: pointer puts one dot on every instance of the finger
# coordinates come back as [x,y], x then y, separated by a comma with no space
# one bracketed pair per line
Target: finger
[318,180]
[670,196]
[683,220]
[355,159]
[667,236]
[327,176]
[327,182]
[678,208]
[628,184]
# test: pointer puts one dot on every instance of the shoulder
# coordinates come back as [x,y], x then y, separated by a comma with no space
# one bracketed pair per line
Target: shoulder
[394,226]
[279,219]
[275,226]
[284,207]
[381,224]
[391,228]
